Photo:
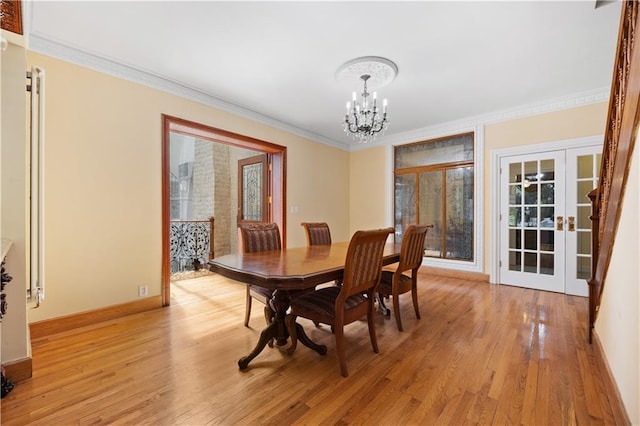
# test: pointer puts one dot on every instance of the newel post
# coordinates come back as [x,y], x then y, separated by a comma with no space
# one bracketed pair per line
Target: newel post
[211,240]
[594,285]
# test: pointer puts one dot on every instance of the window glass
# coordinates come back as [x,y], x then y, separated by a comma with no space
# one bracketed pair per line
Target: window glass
[441,151]
[434,185]
[252,195]
[431,210]
[405,201]
[459,213]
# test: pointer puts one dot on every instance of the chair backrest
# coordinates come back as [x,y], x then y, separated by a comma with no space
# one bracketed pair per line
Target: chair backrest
[318,233]
[258,237]
[363,265]
[412,249]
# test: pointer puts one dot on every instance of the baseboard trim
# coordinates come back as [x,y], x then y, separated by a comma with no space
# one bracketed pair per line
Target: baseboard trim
[621,417]
[68,322]
[452,273]
[18,370]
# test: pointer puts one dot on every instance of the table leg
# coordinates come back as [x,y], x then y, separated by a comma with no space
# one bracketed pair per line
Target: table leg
[266,336]
[305,340]
[277,330]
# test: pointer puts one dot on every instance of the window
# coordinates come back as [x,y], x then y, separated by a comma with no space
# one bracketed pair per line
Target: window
[434,183]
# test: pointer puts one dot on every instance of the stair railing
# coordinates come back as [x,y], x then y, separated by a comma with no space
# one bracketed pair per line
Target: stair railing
[619,138]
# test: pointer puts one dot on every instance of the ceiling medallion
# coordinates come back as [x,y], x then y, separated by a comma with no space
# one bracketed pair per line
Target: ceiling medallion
[363,119]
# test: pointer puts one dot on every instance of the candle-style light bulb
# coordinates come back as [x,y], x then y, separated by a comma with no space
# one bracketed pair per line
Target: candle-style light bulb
[348,107]
[384,106]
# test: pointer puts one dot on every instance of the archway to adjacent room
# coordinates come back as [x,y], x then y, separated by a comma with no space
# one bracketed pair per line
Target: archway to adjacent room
[203,198]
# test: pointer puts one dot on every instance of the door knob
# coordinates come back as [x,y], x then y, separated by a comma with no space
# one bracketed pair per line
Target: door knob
[559,223]
[572,224]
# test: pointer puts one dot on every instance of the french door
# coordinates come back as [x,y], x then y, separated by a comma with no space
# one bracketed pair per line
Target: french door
[545,230]
[583,169]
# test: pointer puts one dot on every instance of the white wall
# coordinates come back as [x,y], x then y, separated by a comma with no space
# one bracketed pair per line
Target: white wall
[618,321]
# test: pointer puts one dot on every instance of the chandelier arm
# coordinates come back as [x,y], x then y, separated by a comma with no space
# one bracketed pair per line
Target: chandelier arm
[364,121]
[353,124]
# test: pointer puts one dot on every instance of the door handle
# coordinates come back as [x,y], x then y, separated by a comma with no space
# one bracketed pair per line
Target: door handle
[572,224]
[559,223]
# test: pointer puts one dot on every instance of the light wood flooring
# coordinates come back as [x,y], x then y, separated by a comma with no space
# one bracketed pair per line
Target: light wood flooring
[481,354]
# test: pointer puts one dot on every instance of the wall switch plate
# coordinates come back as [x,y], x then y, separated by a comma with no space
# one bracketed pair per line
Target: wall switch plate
[143,290]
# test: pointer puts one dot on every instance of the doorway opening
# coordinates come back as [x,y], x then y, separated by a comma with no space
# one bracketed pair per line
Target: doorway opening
[208,190]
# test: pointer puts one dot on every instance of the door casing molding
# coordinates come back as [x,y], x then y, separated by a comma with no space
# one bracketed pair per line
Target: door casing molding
[278,155]
[496,156]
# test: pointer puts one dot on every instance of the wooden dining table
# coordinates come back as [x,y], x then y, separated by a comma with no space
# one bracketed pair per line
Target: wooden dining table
[289,272]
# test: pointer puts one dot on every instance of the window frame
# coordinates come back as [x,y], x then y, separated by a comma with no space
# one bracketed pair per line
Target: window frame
[477,132]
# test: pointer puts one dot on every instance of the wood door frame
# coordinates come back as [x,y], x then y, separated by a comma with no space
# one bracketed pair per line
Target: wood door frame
[496,157]
[264,160]
[277,178]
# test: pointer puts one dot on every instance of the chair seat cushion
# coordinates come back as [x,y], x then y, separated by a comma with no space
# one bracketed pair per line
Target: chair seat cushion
[323,301]
[256,290]
[386,283]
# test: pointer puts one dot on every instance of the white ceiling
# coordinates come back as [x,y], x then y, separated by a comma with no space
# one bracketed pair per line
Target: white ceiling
[276,61]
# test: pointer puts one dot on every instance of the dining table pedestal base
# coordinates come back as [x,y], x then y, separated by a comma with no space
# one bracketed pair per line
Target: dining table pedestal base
[277,331]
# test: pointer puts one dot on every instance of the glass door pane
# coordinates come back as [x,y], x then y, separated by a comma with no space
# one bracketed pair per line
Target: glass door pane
[252,189]
[531,198]
[583,167]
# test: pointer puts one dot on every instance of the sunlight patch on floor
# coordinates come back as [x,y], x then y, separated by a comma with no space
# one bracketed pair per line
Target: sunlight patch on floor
[188,275]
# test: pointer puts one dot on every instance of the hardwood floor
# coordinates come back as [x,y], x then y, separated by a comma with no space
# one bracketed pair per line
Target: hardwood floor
[481,354]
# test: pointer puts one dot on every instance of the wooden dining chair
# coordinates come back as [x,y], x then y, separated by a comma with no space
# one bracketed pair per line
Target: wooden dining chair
[341,305]
[395,283]
[318,233]
[259,237]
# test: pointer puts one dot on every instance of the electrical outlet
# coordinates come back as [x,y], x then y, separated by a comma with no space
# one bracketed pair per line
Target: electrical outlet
[142,290]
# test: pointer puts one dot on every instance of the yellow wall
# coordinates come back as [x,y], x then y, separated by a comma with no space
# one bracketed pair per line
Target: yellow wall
[103,177]
[14,201]
[368,185]
[555,126]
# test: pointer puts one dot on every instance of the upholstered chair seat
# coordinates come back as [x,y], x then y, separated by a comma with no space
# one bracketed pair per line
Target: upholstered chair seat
[341,305]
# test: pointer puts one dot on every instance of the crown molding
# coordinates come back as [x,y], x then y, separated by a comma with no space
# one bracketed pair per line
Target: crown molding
[61,51]
[550,105]
[41,44]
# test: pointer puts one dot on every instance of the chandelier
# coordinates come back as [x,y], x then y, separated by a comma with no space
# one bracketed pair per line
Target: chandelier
[365,119]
